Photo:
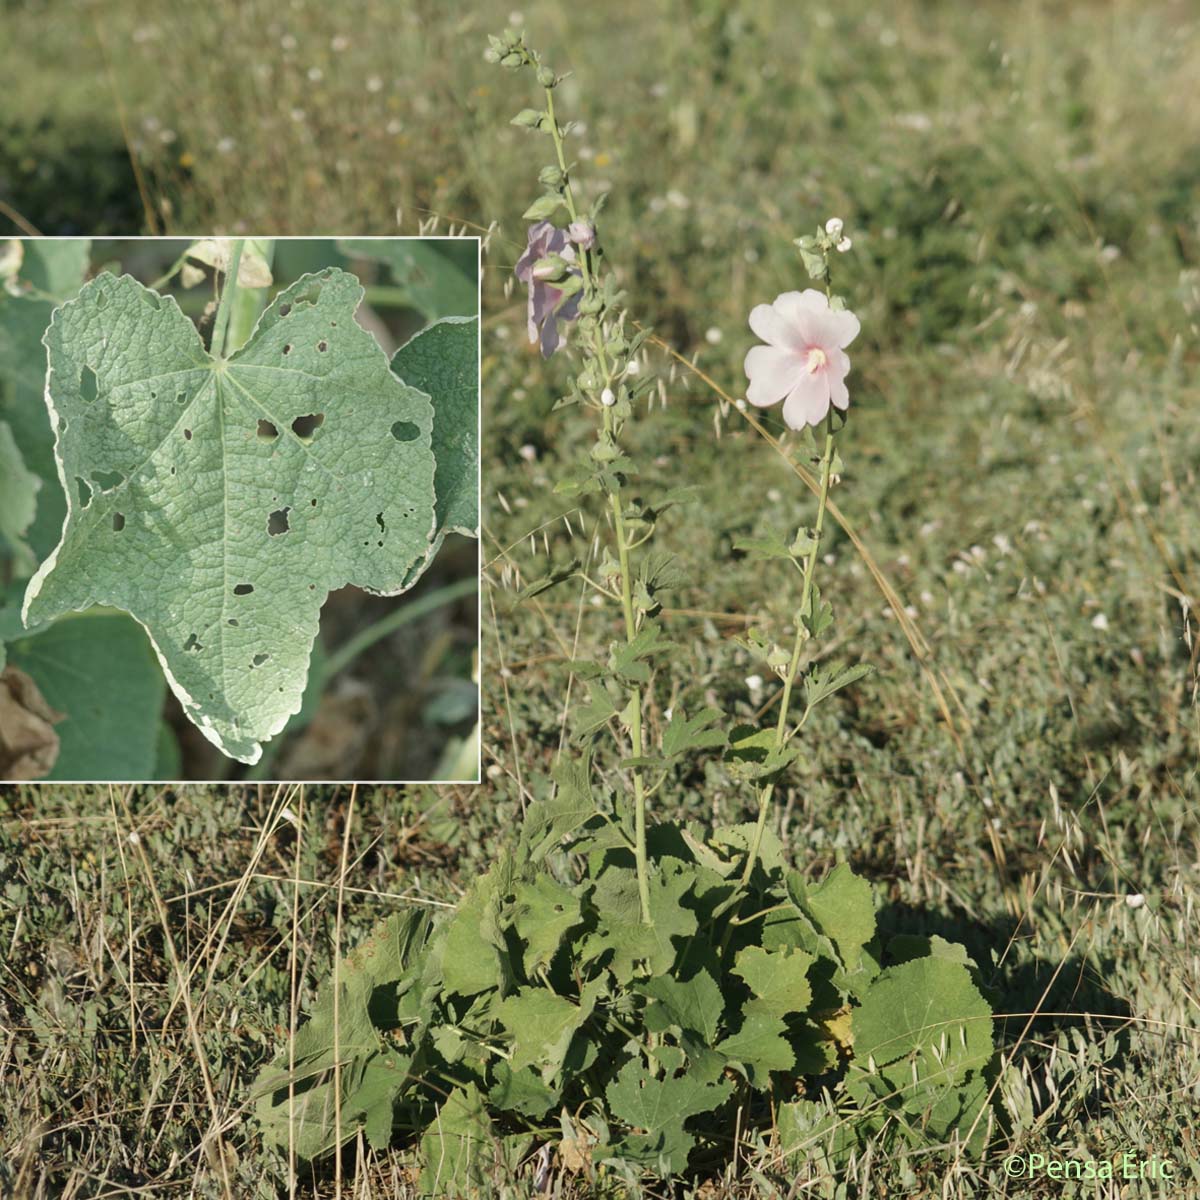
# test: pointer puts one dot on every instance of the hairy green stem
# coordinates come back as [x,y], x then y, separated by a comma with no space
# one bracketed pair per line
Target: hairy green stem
[229,291]
[634,693]
[785,701]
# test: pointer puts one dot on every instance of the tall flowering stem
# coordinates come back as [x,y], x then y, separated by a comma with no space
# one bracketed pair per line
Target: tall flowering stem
[803,364]
[575,269]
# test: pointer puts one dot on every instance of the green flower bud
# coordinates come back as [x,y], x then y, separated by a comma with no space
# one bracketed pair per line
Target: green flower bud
[551,177]
[546,77]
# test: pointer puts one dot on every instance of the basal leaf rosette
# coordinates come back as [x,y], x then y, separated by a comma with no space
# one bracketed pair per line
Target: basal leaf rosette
[219,501]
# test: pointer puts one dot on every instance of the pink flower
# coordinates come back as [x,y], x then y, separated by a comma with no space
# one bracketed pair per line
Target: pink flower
[804,363]
[544,313]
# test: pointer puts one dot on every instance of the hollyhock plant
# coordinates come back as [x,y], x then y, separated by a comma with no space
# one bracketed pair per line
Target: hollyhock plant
[546,304]
[804,362]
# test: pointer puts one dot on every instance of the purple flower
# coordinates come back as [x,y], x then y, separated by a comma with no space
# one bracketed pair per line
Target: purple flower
[544,311]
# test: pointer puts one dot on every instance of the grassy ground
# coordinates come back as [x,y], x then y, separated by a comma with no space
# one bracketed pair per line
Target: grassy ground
[1019,774]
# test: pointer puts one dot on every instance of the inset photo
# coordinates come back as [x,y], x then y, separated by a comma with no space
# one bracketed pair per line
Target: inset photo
[239,509]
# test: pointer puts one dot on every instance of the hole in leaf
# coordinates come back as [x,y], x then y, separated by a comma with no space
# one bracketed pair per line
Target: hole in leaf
[172,470]
[379,544]
[118,522]
[108,479]
[85,492]
[232,621]
[152,299]
[310,295]
[193,643]
[187,433]
[305,427]
[277,522]
[287,348]
[87,384]
[153,395]
[259,659]
[181,397]
[62,424]
[284,309]
[267,431]
[243,589]
[322,346]
[314,503]
[405,431]
[379,522]
[101,299]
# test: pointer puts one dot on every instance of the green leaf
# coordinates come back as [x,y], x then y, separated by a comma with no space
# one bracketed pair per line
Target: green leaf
[657,1109]
[55,266]
[543,912]
[695,1005]
[778,979]
[520,1091]
[18,502]
[843,909]
[547,822]
[628,659]
[759,1048]
[596,713]
[820,683]
[622,931]
[817,614]
[435,284]
[922,1031]
[683,733]
[752,753]
[541,1025]
[543,207]
[215,501]
[443,361]
[458,1147]
[99,670]
[761,548]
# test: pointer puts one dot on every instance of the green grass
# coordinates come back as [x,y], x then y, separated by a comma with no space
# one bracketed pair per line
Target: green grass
[1021,184]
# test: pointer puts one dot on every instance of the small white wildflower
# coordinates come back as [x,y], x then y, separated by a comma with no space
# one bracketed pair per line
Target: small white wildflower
[844,245]
[1001,542]
[607,398]
[926,597]
[754,683]
[1110,254]
[829,559]
[1135,900]
[528,453]
[740,405]
[834,227]
[494,771]
[315,74]
[339,43]
[134,838]
[713,336]
[288,42]
[225,145]
[774,495]
[887,614]
[1100,621]
[374,83]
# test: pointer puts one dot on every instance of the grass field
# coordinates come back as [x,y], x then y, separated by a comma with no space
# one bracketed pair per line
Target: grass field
[1019,774]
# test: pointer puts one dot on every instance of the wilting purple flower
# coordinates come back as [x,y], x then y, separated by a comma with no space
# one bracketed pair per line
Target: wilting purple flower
[582,234]
[544,311]
[804,362]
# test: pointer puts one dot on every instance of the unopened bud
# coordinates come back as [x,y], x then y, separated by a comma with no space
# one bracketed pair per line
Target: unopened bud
[546,77]
[844,245]
[582,234]
[607,398]
[834,227]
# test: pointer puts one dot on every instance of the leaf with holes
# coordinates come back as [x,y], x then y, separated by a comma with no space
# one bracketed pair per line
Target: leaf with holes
[218,501]
[443,361]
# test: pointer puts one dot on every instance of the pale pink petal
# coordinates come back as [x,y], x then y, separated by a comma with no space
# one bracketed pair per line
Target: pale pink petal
[802,312]
[769,325]
[808,401]
[838,392]
[841,328]
[772,373]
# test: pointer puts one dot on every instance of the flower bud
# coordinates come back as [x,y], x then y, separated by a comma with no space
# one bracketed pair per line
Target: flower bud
[550,177]
[834,227]
[582,234]
[546,77]
[607,398]
[844,245]
[547,269]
